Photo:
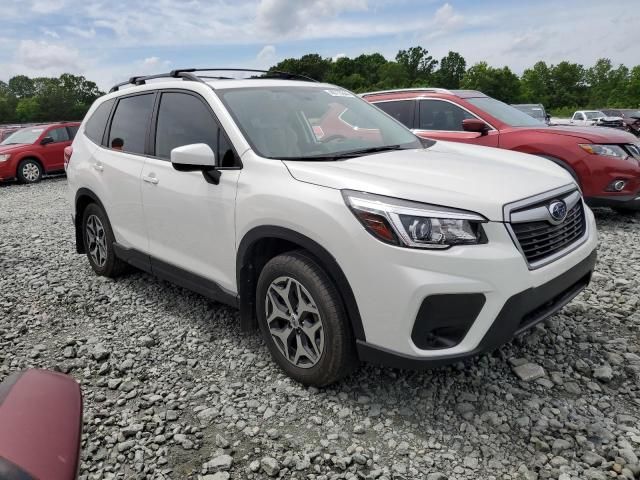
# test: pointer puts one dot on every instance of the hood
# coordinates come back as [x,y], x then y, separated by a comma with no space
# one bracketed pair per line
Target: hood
[592,134]
[468,177]
[11,148]
[609,119]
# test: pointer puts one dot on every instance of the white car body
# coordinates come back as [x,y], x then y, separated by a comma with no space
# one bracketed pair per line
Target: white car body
[202,229]
[585,118]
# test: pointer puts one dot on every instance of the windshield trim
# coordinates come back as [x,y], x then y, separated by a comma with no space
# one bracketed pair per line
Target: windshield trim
[321,86]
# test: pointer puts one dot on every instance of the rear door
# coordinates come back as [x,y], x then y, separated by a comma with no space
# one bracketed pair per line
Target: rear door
[441,119]
[53,153]
[118,166]
[190,222]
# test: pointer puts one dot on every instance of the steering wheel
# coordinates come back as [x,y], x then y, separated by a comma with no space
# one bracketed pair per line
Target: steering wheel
[332,138]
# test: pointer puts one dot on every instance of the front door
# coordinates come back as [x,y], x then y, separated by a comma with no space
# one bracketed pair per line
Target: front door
[190,222]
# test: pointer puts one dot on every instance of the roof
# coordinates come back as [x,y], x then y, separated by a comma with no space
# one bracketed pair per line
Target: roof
[426,91]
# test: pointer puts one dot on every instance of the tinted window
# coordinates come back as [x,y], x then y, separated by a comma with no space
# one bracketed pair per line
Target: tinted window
[94,128]
[440,115]
[400,110]
[129,124]
[24,136]
[72,131]
[183,120]
[59,134]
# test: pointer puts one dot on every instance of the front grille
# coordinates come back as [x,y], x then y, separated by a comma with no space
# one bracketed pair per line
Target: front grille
[611,123]
[540,239]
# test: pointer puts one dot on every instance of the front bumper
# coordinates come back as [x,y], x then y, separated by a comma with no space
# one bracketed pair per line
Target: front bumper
[627,202]
[391,285]
[521,312]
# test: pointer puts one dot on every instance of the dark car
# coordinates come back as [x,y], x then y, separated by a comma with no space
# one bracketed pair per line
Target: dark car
[535,110]
[27,154]
[630,118]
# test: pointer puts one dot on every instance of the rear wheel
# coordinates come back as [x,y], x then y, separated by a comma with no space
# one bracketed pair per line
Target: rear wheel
[98,243]
[303,320]
[29,171]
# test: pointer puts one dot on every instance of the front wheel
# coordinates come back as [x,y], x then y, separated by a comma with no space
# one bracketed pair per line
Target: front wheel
[303,320]
[29,171]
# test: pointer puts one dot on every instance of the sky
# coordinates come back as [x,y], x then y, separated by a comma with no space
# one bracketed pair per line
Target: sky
[109,41]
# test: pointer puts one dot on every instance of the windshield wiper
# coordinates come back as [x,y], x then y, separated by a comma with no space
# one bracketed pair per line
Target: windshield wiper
[341,155]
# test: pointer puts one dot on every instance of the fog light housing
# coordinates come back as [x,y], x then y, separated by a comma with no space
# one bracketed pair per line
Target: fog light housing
[616,186]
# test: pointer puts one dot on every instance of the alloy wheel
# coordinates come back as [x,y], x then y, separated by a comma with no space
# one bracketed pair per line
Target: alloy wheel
[294,322]
[31,172]
[96,241]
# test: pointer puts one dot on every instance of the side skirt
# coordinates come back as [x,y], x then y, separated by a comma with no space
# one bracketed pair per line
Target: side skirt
[177,275]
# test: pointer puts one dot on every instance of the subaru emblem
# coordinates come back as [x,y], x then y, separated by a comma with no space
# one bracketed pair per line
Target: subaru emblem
[558,211]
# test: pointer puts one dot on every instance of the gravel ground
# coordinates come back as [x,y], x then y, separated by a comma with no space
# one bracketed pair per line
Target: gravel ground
[173,389]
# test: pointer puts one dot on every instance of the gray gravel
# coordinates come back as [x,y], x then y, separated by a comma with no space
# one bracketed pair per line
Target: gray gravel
[173,389]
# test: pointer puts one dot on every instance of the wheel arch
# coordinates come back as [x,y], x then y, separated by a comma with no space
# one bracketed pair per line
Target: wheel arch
[84,197]
[30,156]
[261,244]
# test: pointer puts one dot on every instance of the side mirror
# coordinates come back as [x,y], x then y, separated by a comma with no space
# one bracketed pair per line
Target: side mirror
[46,141]
[196,157]
[475,125]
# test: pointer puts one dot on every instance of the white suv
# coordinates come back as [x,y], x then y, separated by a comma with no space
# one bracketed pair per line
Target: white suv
[329,224]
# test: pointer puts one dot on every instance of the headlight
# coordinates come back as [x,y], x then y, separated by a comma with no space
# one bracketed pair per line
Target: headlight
[5,157]
[415,225]
[607,150]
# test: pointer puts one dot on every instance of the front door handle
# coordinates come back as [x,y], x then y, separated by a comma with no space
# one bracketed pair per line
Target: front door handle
[98,166]
[149,179]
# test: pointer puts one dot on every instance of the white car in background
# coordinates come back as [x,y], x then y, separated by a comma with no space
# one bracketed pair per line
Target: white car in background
[333,228]
[590,118]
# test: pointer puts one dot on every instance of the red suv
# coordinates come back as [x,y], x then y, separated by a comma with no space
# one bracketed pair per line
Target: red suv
[604,161]
[30,152]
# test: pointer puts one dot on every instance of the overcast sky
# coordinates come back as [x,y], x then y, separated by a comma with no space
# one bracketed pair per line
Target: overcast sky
[111,40]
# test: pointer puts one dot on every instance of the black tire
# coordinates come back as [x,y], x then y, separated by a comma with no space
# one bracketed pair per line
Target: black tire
[29,171]
[338,357]
[107,264]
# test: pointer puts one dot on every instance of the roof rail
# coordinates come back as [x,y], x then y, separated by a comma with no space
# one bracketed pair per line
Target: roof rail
[417,89]
[189,74]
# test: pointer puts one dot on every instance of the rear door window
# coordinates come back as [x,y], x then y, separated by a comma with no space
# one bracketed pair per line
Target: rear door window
[401,110]
[72,131]
[130,123]
[94,128]
[441,115]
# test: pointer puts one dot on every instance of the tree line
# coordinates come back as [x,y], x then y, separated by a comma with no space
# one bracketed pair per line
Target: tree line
[43,99]
[561,88]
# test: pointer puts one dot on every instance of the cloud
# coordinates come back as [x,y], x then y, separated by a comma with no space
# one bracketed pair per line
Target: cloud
[80,32]
[447,19]
[47,6]
[43,55]
[267,53]
[50,33]
[338,56]
[283,17]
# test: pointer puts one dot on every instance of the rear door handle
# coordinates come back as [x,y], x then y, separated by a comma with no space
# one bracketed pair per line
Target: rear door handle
[98,166]
[148,179]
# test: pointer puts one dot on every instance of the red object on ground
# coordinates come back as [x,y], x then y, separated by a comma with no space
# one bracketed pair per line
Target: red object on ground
[40,426]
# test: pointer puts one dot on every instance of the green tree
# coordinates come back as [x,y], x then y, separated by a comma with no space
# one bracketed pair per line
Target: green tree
[500,83]
[8,103]
[21,86]
[568,88]
[633,88]
[311,65]
[451,71]
[536,84]
[392,75]
[28,109]
[418,64]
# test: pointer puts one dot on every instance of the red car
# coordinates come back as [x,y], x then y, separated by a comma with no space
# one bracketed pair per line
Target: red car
[30,152]
[40,426]
[605,162]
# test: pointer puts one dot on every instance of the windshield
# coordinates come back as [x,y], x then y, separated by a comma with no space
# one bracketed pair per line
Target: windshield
[505,113]
[592,115]
[531,110]
[26,135]
[307,123]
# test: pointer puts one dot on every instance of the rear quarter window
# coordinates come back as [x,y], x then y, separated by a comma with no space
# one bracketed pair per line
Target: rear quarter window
[95,126]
